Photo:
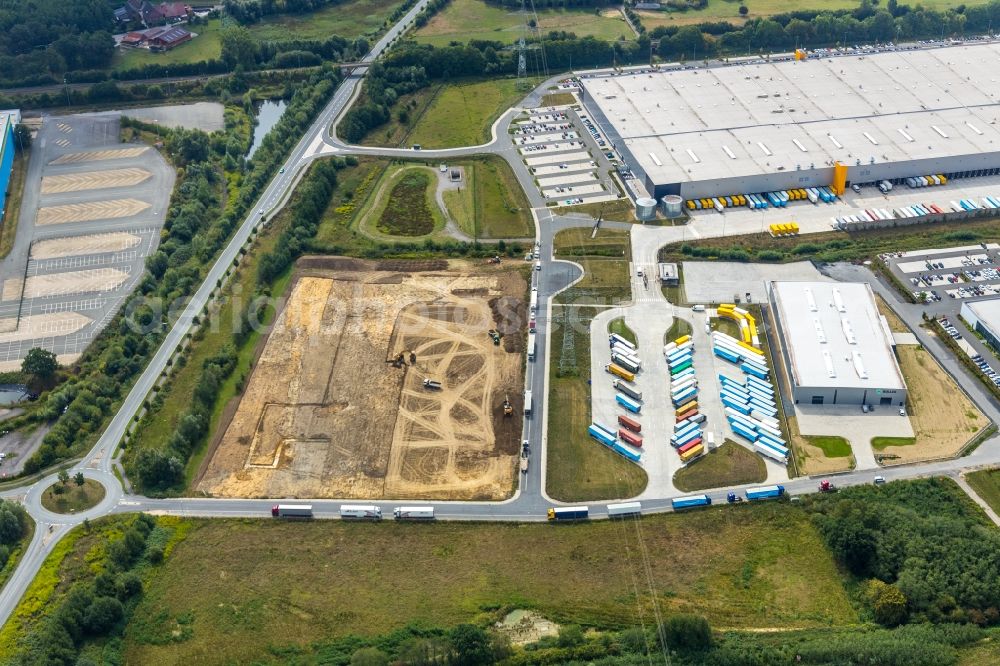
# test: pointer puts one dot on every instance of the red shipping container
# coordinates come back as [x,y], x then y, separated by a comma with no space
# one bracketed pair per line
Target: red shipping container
[631,424]
[630,437]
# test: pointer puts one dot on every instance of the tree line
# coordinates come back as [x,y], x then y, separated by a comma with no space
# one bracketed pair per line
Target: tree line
[812,28]
[14,525]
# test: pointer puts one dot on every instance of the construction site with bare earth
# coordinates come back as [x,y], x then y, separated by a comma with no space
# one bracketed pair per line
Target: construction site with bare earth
[381,379]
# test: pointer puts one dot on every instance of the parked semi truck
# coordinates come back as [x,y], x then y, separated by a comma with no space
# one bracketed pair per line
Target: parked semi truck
[765,492]
[360,512]
[292,511]
[413,513]
[621,372]
[627,390]
[625,362]
[569,513]
[690,501]
[534,300]
[624,509]
[531,346]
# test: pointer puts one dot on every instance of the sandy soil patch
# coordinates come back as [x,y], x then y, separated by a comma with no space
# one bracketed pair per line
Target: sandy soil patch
[94,180]
[73,245]
[325,414]
[8,324]
[46,325]
[112,154]
[74,282]
[12,289]
[94,210]
[943,418]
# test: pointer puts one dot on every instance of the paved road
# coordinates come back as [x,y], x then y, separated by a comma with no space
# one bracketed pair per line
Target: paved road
[528,504]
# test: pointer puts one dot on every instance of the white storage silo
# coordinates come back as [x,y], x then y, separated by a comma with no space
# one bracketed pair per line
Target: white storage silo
[672,205]
[645,209]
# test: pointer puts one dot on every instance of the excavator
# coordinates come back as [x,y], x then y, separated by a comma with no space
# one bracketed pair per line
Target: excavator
[508,409]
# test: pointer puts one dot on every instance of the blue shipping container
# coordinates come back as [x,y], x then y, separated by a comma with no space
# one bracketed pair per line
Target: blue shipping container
[765,492]
[628,403]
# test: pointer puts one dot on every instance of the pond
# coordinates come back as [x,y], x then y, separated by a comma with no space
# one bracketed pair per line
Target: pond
[12,393]
[269,112]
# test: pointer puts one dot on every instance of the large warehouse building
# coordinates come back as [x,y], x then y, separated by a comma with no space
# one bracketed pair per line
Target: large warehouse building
[984,318]
[761,126]
[7,121]
[838,348]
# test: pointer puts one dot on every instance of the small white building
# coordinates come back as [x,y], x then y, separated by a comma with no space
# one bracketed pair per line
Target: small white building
[836,345]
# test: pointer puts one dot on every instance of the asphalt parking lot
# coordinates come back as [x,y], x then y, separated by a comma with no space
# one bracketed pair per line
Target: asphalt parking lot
[91,212]
[948,277]
[562,153]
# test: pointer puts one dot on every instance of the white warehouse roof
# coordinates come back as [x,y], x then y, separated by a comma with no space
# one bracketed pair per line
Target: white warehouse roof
[747,118]
[834,335]
[987,312]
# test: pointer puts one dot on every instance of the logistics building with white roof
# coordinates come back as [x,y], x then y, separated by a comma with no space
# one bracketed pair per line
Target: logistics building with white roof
[758,126]
[984,318]
[836,345]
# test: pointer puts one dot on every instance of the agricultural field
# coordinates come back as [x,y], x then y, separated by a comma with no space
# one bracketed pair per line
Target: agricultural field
[728,465]
[325,413]
[943,417]
[466,20]
[488,202]
[769,569]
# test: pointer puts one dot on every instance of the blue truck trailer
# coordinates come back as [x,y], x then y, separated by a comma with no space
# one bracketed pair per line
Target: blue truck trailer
[628,403]
[601,435]
[765,492]
[690,501]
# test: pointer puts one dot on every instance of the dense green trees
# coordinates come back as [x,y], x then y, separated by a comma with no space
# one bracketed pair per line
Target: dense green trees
[922,539]
[41,366]
[94,608]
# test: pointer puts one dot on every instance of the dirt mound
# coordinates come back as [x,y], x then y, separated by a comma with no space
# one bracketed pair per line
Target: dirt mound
[412,265]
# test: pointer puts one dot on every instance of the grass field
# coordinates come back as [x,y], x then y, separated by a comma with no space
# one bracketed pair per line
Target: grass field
[619,210]
[490,203]
[558,99]
[466,20]
[841,246]
[832,446]
[409,204]
[447,115]
[350,19]
[355,185]
[987,485]
[461,113]
[12,206]
[678,328]
[943,418]
[605,264]
[73,498]
[621,328]
[728,465]
[769,569]
[578,468]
